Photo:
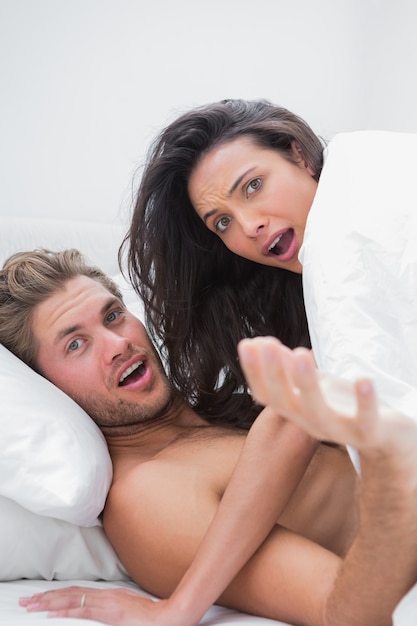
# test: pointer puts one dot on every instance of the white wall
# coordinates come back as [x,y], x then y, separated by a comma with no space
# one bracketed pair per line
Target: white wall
[86,84]
[390,91]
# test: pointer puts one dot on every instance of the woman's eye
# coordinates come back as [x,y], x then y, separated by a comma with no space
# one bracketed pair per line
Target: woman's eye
[222,224]
[74,345]
[253,186]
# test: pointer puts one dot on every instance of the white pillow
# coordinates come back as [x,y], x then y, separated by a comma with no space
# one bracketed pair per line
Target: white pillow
[34,546]
[53,458]
[98,241]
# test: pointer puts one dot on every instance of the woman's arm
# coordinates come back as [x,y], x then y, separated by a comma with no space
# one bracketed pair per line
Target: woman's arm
[381,564]
[272,463]
[270,467]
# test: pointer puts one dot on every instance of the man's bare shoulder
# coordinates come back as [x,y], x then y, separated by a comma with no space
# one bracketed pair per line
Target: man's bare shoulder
[157,510]
[202,456]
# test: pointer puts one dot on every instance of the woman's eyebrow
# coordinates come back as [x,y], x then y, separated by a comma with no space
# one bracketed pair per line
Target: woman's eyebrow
[239,180]
[230,192]
[209,214]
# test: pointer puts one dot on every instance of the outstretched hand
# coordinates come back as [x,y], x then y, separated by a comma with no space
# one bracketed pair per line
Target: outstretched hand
[328,408]
[117,607]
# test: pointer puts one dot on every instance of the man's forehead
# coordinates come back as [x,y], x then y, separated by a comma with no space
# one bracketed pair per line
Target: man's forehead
[70,304]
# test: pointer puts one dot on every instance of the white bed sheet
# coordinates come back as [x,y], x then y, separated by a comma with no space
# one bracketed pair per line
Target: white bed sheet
[11,614]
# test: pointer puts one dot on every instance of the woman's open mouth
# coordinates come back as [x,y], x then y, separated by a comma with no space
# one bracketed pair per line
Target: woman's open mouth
[283,246]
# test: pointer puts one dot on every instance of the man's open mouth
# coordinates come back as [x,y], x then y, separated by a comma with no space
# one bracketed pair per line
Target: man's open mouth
[132,373]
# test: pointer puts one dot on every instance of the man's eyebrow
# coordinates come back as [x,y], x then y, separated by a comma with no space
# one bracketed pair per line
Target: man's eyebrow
[229,193]
[69,330]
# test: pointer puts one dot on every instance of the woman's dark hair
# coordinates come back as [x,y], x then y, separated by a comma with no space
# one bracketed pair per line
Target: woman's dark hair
[200,298]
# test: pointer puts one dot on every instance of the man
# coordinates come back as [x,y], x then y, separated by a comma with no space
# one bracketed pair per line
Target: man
[316,566]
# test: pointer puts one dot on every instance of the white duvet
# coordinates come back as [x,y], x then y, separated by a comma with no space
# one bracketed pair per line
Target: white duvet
[360,263]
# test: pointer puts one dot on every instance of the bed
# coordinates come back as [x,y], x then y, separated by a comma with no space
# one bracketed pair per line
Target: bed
[54,466]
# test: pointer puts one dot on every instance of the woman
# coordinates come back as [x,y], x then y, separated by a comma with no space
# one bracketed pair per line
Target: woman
[201,298]
[234,195]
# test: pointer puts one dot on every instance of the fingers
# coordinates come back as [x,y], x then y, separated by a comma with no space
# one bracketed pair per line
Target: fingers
[327,408]
[81,602]
[116,607]
[314,412]
[253,363]
[366,398]
[70,597]
[336,409]
[97,614]
[368,413]
[268,368]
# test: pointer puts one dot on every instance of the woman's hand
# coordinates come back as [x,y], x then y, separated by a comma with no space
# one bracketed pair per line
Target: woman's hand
[117,607]
[327,407]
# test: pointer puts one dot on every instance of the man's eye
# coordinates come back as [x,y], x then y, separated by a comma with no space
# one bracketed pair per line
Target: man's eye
[253,186]
[74,345]
[113,316]
[222,224]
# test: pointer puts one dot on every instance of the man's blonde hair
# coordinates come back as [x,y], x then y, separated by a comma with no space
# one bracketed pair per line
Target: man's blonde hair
[29,278]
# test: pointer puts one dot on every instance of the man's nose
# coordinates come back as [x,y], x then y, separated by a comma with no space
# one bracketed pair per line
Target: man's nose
[114,346]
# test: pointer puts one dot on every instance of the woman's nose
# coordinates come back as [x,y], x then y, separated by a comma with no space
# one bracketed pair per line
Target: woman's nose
[252,226]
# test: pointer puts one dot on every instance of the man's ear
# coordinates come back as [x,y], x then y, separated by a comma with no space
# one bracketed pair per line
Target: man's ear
[299,157]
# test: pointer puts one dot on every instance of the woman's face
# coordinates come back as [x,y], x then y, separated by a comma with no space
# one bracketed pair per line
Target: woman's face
[255,200]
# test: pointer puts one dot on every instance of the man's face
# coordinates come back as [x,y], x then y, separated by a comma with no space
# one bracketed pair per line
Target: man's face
[93,349]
